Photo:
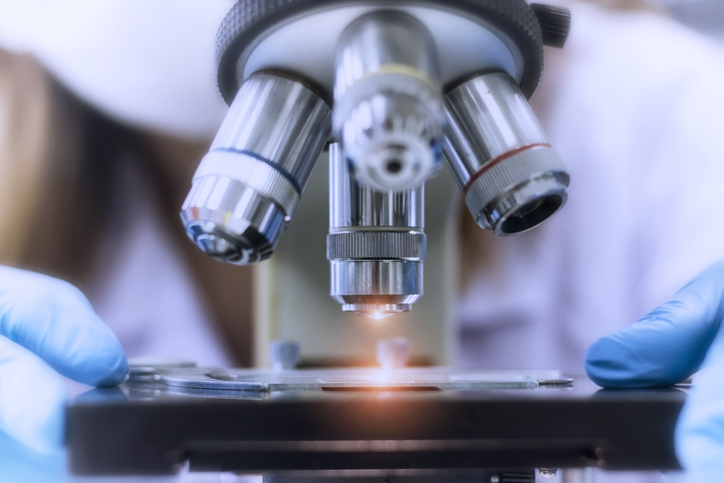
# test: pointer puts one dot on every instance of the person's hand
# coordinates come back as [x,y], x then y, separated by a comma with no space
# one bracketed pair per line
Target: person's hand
[47,327]
[667,346]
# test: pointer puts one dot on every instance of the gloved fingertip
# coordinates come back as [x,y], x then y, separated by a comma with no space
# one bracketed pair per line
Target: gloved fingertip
[100,361]
[54,320]
[633,358]
[116,374]
[605,366]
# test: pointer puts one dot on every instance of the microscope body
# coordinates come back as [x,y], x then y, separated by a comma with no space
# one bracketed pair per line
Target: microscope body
[374,111]
[394,91]
[292,300]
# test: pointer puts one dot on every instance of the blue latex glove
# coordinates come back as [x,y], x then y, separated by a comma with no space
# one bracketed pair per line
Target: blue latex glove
[667,346]
[47,327]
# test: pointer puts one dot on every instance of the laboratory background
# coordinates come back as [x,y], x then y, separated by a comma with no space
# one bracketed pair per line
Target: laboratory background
[108,107]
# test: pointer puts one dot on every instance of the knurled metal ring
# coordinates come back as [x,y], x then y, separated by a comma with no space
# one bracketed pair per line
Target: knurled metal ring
[249,19]
[376,245]
[509,172]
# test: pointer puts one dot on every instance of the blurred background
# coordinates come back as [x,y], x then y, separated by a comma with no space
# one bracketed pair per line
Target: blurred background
[706,16]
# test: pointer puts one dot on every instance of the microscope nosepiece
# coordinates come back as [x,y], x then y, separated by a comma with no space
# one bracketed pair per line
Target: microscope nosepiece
[247,188]
[512,179]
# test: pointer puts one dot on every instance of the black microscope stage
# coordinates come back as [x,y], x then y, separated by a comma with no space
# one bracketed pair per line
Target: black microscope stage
[414,420]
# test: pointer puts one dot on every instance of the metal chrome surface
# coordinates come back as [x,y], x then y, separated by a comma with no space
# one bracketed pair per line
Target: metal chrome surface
[248,186]
[384,42]
[279,120]
[376,287]
[388,109]
[354,206]
[522,206]
[232,222]
[379,245]
[511,177]
[376,244]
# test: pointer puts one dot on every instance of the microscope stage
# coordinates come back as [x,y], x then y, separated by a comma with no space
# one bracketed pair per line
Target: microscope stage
[412,419]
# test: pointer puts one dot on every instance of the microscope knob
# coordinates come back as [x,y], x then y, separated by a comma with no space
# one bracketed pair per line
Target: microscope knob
[283,354]
[555,23]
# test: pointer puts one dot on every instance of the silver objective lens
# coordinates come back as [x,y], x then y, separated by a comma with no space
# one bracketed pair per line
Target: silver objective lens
[512,179]
[388,110]
[247,188]
[376,243]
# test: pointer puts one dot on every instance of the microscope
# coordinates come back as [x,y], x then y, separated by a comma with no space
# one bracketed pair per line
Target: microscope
[397,90]
[384,93]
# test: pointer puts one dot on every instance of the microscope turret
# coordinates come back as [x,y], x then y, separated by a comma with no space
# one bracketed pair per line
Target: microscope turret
[395,89]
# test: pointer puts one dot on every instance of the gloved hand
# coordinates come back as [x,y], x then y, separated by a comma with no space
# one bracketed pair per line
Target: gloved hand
[47,327]
[667,346]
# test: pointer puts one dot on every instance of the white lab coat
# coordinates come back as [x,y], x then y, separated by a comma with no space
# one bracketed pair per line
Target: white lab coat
[636,107]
